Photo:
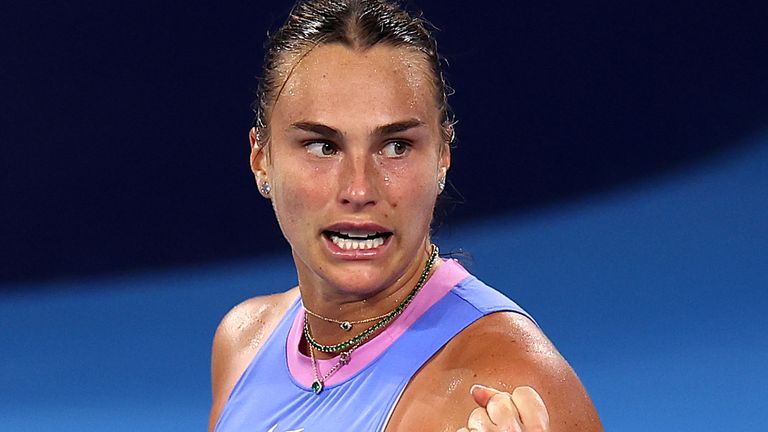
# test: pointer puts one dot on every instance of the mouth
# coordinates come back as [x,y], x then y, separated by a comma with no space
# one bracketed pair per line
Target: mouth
[357,239]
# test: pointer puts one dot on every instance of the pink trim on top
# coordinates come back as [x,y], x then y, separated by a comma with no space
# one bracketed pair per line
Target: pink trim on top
[439,284]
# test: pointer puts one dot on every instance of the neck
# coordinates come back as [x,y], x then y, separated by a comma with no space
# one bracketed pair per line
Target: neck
[341,304]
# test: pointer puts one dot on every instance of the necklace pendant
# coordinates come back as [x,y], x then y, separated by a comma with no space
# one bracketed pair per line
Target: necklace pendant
[344,358]
[346,326]
[317,386]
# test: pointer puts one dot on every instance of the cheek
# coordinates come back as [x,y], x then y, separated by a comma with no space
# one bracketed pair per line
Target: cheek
[298,192]
[409,190]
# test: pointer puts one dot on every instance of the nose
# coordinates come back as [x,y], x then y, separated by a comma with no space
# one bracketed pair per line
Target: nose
[358,181]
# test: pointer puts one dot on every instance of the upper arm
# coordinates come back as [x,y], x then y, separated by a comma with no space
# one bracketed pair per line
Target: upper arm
[238,338]
[503,351]
[224,353]
[512,352]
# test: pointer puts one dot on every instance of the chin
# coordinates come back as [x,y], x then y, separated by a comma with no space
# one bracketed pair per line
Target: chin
[363,283]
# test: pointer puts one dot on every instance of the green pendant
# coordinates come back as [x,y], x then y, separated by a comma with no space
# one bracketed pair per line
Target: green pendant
[317,386]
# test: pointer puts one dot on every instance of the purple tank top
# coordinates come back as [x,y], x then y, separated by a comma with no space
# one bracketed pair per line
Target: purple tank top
[274,394]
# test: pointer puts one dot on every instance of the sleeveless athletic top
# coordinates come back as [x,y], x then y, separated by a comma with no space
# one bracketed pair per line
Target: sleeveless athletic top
[274,394]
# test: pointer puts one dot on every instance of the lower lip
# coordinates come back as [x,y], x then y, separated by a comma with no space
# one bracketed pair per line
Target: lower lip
[356,254]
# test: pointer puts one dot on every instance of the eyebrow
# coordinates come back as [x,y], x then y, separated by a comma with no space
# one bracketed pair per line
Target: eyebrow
[397,127]
[317,128]
[329,132]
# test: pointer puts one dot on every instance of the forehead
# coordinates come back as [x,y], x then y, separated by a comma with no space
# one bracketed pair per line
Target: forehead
[334,83]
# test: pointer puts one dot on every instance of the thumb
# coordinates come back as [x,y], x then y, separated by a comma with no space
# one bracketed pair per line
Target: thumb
[482,394]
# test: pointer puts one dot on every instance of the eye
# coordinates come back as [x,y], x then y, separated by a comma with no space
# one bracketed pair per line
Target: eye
[321,149]
[394,149]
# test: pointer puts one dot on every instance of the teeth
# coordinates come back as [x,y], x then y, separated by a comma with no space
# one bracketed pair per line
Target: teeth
[358,234]
[350,244]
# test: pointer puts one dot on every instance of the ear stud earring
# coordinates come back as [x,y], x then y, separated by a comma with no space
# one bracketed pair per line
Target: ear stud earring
[441,183]
[265,188]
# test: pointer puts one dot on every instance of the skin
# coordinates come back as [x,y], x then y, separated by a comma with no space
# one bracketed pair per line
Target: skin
[332,143]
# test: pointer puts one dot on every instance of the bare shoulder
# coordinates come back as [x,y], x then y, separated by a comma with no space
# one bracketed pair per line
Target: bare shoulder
[503,350]
[238,338]
[249,323]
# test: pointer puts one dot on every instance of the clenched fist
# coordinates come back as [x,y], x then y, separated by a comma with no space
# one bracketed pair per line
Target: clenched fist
[521,411]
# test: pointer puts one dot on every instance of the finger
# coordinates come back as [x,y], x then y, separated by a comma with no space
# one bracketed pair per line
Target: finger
[531,408]
[503,412]
[480,421]
[482,394]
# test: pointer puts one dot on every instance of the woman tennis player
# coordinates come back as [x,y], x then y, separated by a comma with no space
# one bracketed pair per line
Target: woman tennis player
[351,144]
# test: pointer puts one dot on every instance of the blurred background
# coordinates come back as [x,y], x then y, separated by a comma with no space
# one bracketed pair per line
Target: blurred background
[611,176]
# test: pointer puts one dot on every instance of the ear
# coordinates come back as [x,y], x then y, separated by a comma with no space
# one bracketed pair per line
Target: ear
[445,158]
[445,150]
[259,160]
[444,164]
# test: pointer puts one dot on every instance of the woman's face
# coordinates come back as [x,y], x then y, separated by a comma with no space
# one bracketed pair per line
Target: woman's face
[354,159]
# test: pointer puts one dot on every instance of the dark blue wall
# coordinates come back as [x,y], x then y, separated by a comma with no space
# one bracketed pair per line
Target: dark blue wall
[123,135]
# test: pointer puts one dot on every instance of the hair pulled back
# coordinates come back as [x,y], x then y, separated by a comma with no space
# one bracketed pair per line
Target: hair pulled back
[358,24]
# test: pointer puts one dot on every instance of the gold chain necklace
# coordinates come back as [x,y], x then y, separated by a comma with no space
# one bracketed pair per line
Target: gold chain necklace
[355,342]
[345,325]
[342,346]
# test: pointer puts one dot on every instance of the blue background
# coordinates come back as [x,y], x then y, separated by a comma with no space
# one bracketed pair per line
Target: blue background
[612,163]
[654,292]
